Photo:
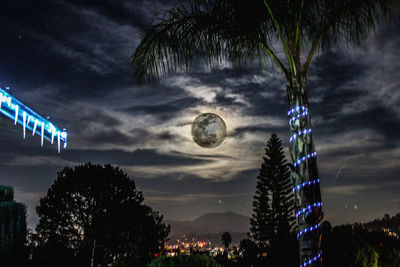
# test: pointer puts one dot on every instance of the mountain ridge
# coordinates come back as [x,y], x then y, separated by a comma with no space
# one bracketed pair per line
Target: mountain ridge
[214,222]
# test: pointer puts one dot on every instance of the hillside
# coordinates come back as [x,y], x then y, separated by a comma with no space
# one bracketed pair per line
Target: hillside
[212,223]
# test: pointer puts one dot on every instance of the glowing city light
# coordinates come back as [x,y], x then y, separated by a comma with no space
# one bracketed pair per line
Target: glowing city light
[15,110]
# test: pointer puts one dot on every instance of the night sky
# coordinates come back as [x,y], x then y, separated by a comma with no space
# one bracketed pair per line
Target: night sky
[70,60]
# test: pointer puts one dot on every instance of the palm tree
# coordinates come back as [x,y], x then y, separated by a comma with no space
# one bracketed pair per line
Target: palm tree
[240,32]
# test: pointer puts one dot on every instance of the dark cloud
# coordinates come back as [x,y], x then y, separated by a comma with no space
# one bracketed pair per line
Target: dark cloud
[262,129]
[134,137]
[166,110]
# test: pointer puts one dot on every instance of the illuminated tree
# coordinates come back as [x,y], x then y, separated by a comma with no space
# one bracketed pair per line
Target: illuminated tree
[239,32]
[12,229]
[96,213]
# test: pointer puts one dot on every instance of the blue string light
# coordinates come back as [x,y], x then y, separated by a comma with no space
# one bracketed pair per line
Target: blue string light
[298,187]
[299,161]
[293,137]
[297,109]
[309,229]
[19,113]
[308,208]
[304,114]
[308,262]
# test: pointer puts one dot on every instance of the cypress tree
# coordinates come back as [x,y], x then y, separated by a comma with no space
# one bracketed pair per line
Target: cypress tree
[273,203]
[12,229]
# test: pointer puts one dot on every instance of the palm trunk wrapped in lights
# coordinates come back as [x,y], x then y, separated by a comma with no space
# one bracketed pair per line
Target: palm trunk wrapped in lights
[305,177]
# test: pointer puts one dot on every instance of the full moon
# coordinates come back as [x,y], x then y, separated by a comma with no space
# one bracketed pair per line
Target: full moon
[208,130]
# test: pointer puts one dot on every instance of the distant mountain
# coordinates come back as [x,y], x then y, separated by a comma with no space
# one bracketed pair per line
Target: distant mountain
[212,223]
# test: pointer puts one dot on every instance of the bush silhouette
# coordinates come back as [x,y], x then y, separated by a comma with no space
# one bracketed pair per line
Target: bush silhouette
[199,260]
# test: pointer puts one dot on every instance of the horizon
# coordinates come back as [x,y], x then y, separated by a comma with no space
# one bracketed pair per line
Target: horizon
[70,61]
[211,213]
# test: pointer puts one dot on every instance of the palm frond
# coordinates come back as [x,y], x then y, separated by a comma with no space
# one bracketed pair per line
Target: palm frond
[239,32]
[346,22]
[225,31]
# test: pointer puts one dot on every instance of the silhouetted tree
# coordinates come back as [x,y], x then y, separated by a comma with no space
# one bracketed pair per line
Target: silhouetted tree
[273,205]
[366,256]
[197,260]
[95,213]
[392,223]
[249,251]
[326,230]
[12,229]
[239,32]
[226,239]
[348,246]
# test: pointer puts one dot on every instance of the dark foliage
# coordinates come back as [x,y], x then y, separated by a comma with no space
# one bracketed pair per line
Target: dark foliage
[273,206]
[226,239]
[249,252]
[197,260]
[6,193]
[12,229]
[392,223]
[354,245]
[95,213]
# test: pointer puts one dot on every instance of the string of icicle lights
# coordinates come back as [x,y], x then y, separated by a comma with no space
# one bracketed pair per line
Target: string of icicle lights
[295,114]
[15,110]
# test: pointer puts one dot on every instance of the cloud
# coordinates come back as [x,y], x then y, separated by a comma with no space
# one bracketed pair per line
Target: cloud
[167,199]
[39,161]
[346,190]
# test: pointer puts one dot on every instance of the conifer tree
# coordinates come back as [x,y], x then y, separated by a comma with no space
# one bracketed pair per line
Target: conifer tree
[273,202]
[12,229]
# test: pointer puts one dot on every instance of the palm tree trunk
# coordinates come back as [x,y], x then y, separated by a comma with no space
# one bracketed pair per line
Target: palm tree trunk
[305,176]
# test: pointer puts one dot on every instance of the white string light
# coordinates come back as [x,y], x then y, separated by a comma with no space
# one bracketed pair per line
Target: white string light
[16,115]
[24,123]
